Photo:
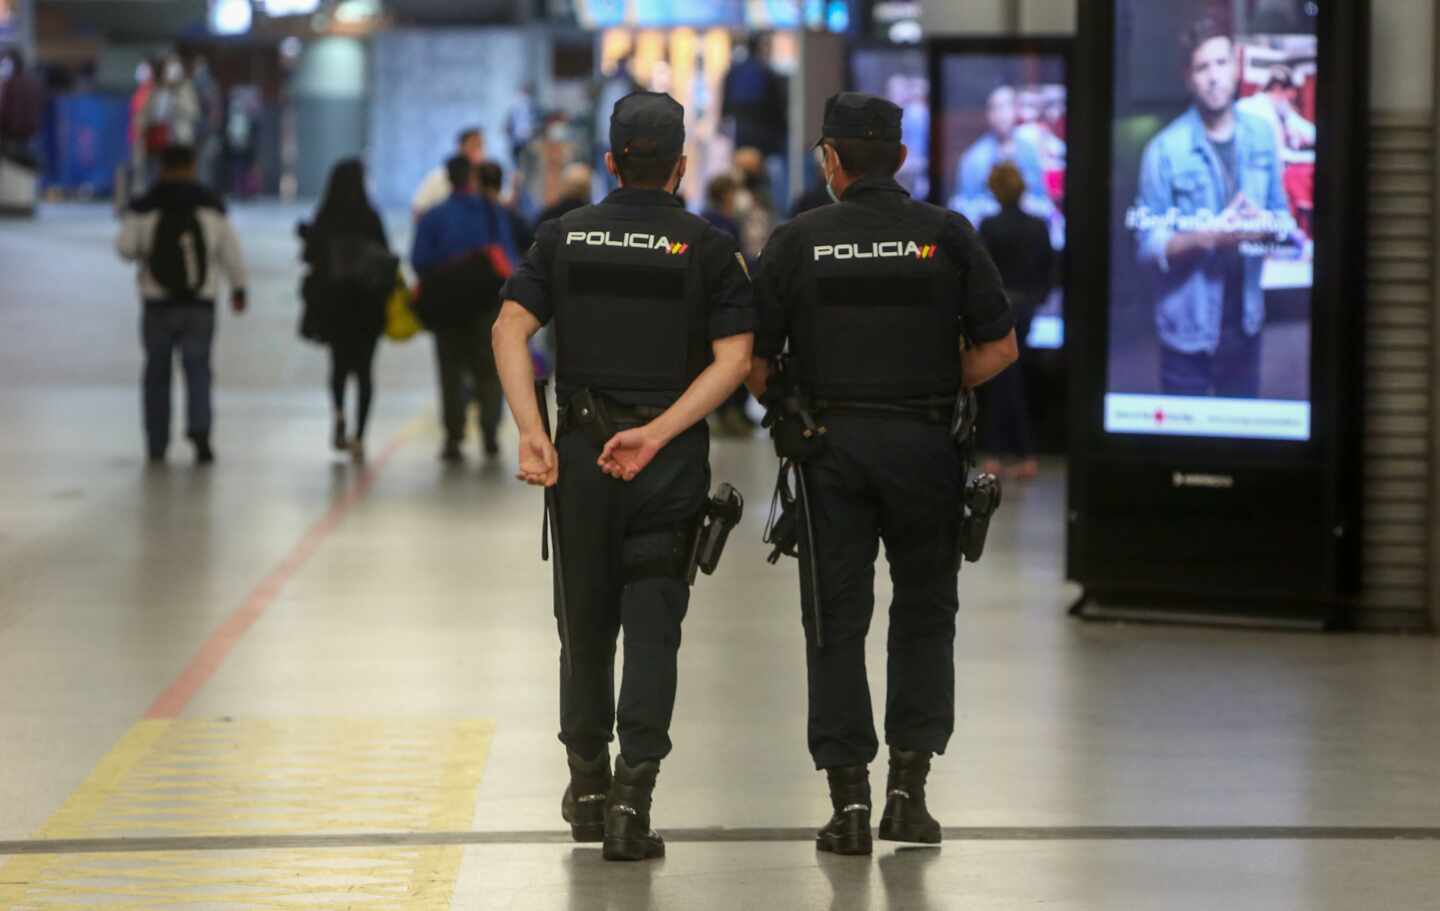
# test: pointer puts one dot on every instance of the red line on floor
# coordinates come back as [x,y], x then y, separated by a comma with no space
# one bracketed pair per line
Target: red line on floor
[217,648]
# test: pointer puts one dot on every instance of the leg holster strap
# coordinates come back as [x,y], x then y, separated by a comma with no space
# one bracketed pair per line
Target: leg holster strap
[664,553]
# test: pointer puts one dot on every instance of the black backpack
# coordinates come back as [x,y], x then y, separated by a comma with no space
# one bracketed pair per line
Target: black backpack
[179,258]
[353,259]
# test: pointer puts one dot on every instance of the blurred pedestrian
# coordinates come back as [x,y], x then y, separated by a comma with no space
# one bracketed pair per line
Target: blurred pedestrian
[22,106]
[352,273]
[208,138]
[755,203]
[146,76]
[435,188]
[756,105]
[522,122]
[462,252]
[21,100]
[576,182]
[185,245]
[719,207]
[492,187]
[242,140]
[731,418]
[1019,243]
[172,113]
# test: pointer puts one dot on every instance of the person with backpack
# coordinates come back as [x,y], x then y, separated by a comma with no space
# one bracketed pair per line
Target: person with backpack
[179,235]
[352,273]
[463,251]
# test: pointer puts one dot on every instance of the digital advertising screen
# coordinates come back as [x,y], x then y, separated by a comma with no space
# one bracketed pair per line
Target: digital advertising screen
[832,15]
[1008,107]
[660,13]
[901,74]
[1212,248]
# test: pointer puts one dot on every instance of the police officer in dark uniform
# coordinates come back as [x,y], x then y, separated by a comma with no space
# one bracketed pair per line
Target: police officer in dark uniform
[876,296]
[654,325]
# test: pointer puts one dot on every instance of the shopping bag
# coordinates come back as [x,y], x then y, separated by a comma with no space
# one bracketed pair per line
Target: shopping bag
[400,321]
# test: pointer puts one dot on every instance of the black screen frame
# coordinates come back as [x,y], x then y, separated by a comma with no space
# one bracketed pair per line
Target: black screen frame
[1330,459]
[863,45]
[1340,172]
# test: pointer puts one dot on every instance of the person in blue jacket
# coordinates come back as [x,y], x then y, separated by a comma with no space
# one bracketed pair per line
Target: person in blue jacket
[462,252]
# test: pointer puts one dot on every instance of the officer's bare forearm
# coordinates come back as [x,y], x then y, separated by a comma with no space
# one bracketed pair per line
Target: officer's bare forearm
[984,362]
[710,389]
[759,379]
[510,338]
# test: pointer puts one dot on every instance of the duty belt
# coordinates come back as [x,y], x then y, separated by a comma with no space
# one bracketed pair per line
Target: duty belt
[929,410]
[602,415]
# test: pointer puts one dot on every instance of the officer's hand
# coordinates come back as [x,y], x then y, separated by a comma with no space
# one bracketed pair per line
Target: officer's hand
[628,452]
[539,464]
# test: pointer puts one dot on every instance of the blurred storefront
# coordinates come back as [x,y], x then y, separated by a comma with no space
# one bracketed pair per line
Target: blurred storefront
[689,48]
[690,64]
[290,86]
[17,26]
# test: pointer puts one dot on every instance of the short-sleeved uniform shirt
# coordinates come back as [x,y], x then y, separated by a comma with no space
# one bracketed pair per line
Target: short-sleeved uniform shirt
[729,306]
[982,307]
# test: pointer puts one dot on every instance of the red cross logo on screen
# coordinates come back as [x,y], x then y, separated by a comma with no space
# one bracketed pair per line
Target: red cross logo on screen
[1159,415]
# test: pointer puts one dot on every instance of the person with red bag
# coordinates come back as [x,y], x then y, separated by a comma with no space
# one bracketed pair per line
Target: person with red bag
[462,252]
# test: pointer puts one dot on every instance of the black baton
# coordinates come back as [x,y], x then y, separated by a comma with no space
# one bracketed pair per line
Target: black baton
[552,539]
[803,496]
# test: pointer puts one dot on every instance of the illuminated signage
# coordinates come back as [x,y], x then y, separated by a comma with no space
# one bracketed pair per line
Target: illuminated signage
[231,17]
[276,9]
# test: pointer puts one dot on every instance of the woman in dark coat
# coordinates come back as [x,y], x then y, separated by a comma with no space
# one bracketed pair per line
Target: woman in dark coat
[352,273]
[1020,245]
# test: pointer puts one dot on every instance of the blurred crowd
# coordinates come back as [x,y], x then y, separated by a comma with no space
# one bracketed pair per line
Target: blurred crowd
[178,102]
[472,221]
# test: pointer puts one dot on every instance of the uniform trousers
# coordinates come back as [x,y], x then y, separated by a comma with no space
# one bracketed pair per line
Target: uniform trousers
[605,524]
[899,481]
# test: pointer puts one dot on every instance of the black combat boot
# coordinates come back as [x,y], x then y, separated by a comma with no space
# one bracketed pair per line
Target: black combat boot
[583,805]
[628,835]
[905,817]
[848,831]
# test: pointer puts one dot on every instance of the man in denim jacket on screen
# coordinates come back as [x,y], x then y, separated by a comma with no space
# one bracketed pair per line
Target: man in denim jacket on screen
[1212,203]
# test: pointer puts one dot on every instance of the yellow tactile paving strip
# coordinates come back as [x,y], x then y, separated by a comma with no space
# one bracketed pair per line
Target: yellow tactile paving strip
[300,776]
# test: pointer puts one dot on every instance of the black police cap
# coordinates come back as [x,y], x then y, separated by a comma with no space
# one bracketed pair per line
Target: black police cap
[648,115]
[856,115]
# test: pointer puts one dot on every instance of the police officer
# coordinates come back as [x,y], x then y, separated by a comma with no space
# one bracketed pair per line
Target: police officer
[654,325]
[875,296]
